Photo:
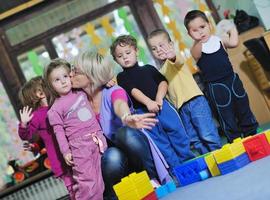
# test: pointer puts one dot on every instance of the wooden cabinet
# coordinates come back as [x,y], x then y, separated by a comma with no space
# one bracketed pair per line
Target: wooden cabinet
[259,100]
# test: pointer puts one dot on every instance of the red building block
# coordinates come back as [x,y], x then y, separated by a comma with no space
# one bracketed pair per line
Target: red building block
[151,196]
[257,147]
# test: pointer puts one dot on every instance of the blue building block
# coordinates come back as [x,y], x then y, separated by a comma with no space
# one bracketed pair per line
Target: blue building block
[171,187]
[189,172]
[234,164]
[161,191]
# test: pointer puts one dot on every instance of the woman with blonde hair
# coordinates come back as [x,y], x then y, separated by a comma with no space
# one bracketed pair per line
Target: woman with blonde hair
[128,147]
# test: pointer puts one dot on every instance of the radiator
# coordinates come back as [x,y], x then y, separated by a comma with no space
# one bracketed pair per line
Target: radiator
[47,189]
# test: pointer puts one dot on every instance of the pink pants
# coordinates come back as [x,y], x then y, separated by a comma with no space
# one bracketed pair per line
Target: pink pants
[69,182]
[87,169]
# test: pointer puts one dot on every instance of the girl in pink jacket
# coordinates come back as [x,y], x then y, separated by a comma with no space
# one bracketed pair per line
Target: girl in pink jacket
[33,96]
[77,131]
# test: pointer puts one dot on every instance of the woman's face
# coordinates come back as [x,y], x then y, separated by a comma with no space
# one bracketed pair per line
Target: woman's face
[78,78]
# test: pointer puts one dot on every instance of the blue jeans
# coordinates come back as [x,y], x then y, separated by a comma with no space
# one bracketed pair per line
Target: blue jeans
[114,166]
[132,141]
[231,101]
[198,121]
[170,135]
[125,157]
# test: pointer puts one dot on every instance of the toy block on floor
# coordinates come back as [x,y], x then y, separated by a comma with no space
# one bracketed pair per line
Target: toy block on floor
[133,187]
[163,190]
[267,135]
[151,196]
[189,172]
[257,147]
[211,164]
[234,164]
[229,151]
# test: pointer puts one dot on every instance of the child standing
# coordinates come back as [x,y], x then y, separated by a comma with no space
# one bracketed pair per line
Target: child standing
[185,94]
[77,131]
[33,96]
[225,89]
[147,88]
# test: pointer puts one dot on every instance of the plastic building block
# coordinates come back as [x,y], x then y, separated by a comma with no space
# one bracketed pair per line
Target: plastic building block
[188,172]
[151,196]
[133,187]
[171,187]
[257,147]
[161,191]
[267,135]
[165,189]
[212,165]
[229,151]
[204,174]
[234,164]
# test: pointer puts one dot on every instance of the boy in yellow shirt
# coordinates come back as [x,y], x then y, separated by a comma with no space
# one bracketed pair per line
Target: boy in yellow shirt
[185,94]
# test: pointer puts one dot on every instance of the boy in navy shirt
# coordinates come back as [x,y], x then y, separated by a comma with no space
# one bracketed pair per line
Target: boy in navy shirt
[147,89]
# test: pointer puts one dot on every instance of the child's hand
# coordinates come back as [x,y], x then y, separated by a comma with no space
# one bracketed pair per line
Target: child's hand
[111,83]
[160,103]
[68,159]
[25,115]
[152,106]
[169,51]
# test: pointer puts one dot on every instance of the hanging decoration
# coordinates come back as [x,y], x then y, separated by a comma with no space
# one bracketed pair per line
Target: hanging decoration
[90,30]
[105,23]
[172,26]
[34,60]
[129,28]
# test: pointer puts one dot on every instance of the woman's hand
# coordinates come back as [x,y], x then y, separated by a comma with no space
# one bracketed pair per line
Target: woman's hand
[26,115]
[138,121]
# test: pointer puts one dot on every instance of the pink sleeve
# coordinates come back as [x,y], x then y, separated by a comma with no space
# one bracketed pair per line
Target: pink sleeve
[119,94]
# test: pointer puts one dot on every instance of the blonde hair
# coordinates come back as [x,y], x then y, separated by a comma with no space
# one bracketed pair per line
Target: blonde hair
[54,64]
[97,68]
[28,92]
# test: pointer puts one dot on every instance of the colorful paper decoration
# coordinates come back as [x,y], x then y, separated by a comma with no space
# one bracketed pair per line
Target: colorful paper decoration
[105,23]
[129,28]
[33,59]
[90,30]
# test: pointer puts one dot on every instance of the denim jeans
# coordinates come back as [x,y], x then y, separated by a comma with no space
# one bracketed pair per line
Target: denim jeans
[133,142]
[131,152]
[231,101]
[198,121]
[114,167]
[170,135]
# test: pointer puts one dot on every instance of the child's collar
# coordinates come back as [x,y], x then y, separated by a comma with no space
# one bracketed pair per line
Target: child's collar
[212,45]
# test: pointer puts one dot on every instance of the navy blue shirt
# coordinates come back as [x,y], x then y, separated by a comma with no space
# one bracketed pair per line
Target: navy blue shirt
[215,66]
[145,78]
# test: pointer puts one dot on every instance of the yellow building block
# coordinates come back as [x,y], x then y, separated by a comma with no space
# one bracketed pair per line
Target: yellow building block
[229,151]
[267,135]
[212,165]
[133,187]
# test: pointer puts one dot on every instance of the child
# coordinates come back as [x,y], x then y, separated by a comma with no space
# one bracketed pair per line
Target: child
[147,88]
[33,96]
[185,94]
[225,89]
[77,131]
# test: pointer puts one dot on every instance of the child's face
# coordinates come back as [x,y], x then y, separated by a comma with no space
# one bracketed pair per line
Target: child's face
[60,81]
[199,29]
[126,56]
[158,43]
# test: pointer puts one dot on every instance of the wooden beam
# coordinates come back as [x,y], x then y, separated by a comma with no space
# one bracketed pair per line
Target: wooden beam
[19,8]
[213,10]
[10,78]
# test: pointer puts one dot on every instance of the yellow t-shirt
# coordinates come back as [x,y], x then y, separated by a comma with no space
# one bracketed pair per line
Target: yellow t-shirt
[181,84]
